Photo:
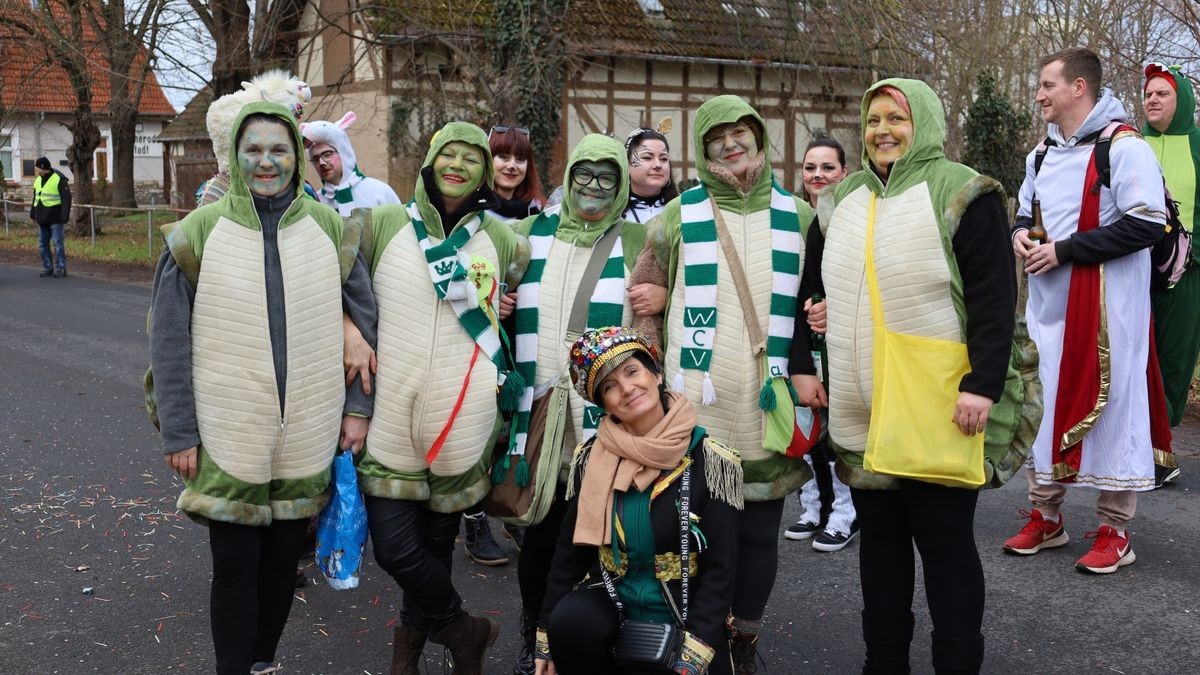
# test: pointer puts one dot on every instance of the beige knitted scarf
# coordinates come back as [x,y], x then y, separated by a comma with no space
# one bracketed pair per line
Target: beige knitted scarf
[619,460]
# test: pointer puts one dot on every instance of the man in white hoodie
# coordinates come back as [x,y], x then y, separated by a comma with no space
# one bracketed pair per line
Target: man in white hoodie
[1089,308]
[344,187]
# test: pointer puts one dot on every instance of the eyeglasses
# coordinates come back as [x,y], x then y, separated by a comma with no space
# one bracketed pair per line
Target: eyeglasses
[583,178]
[325,156]
[730,133]
[501,129]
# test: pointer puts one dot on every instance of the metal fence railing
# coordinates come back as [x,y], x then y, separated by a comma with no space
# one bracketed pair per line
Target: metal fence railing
[23,208]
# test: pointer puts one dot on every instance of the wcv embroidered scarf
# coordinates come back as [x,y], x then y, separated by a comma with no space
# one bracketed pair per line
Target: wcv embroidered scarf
[699,256]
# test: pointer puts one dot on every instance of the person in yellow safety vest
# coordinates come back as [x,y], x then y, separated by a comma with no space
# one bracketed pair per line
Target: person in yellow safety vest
[51,208]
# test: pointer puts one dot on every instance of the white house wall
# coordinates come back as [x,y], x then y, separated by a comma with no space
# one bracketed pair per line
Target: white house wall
[50,137]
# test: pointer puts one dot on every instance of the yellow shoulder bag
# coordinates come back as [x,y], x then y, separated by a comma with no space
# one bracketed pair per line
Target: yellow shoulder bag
[912,432]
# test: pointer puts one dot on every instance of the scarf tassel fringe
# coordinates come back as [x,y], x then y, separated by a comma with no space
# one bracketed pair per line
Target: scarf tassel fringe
[723,477]
[500,469]
[510,391]
[766,396]
[709,395]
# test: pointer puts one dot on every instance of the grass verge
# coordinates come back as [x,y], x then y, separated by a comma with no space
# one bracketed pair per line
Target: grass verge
[123,241]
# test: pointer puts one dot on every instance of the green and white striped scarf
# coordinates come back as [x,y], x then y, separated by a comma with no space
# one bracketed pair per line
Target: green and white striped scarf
[606,308]
[448,264]
[699,255]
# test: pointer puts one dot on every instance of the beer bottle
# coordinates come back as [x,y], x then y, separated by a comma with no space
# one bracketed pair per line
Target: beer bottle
[1037,231]
[817,343]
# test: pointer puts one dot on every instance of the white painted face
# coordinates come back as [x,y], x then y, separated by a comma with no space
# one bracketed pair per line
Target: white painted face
[733,147]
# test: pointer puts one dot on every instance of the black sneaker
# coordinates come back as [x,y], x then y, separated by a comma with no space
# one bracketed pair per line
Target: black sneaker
[60,273]
[803,529]
[1164,475]
[479,543]
[832,540]
[46,273]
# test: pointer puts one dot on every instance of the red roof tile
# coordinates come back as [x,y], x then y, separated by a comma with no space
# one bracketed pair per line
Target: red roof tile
[32,80]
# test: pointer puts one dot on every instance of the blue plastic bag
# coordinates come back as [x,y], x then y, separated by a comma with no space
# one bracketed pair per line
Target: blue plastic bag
[342,528]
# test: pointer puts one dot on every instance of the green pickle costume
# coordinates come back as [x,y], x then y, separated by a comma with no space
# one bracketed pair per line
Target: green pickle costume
[254,464]
[729,368]
[917,212]
[441,364]
[561,245]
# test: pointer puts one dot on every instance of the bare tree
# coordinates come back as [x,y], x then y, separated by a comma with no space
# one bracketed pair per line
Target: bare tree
[239,54]
[56,30]
[127,37]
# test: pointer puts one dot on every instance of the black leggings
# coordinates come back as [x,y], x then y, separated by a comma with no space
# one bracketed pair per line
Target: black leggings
[415,546]
[254,578]
[537,552]
[941,520]
[758,558]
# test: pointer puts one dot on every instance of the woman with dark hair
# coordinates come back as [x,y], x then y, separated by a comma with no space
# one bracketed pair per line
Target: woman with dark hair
[650,182]
[825,495]
[631,486]
[824,165]
[519,193]
[517,182]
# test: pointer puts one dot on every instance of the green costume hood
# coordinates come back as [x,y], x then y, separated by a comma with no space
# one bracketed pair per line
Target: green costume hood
[928,141]
[1184,121]
[237,185]
[593,148]
[727,109]
[463,132]
[1178,149]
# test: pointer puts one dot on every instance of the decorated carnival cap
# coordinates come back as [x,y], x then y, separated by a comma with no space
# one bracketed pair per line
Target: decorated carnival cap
[598,352]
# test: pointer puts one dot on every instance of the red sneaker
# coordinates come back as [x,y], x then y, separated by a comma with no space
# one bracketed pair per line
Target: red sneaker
[1037,534]
[1109,552]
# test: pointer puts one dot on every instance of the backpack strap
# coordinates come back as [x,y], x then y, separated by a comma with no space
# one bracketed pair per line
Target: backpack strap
[1039,154]
[1111,132]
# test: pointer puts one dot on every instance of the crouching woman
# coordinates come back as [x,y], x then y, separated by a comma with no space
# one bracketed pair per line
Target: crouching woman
[631,486]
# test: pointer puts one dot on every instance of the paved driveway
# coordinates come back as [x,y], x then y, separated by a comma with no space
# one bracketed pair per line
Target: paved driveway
[102,575]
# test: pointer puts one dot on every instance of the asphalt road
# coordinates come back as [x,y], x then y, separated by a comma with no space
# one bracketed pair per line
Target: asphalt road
[103,575]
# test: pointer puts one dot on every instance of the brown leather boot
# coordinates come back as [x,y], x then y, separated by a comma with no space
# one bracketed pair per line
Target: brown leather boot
[467,638]
[407,644]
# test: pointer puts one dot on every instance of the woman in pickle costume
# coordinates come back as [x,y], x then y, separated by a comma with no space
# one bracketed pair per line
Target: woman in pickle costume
[741,386]
[623,524]
[562,242]
[247,385]
[940,240]
[439,267]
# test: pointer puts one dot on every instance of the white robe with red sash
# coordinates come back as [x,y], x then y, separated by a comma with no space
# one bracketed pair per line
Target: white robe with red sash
[1116,451]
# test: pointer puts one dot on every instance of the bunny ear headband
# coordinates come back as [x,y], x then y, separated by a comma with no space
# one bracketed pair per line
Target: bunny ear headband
[642,133]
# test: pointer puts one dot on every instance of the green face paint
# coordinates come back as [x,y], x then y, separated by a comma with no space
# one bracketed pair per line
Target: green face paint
[458,169]
[593,188]
[266,158]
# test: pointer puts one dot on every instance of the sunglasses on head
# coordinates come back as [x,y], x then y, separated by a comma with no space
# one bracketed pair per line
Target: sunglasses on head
[582,177]
[502,129]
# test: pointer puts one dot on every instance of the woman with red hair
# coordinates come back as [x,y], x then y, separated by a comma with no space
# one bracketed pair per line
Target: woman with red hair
[933,238]
[517,182]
